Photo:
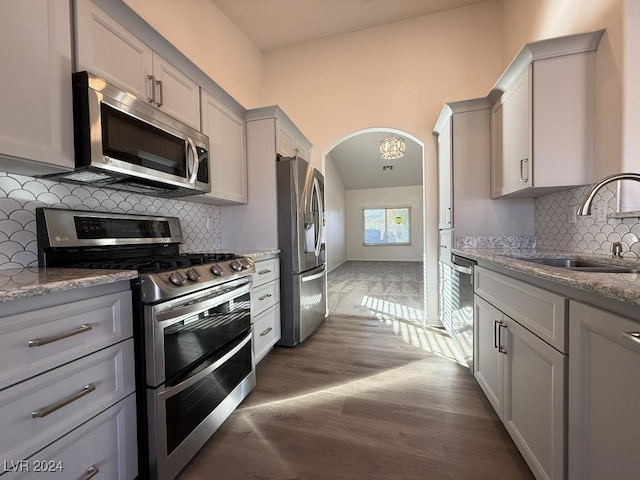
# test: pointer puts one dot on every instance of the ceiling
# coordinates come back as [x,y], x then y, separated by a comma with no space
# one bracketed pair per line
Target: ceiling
[273,24]
[278,23]
[358,162]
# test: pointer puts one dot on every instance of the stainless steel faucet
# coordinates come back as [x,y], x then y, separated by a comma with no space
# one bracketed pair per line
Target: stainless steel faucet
[585,205]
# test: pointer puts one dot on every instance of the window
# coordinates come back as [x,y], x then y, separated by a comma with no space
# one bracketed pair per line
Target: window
[386,226]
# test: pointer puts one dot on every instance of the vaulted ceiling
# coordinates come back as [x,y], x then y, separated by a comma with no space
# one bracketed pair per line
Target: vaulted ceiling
[272,24]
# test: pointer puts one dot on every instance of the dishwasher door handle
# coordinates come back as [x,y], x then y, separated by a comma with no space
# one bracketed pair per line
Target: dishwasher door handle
[461,269]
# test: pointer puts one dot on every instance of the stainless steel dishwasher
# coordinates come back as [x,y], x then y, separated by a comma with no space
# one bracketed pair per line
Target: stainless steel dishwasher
[462,305]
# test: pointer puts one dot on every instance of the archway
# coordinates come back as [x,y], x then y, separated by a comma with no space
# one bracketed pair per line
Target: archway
[356,178]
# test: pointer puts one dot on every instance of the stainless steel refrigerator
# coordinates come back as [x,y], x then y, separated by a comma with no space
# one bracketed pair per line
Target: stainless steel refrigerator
[303,276]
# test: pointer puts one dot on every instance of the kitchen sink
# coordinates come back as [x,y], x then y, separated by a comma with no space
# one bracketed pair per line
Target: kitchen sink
[582,265]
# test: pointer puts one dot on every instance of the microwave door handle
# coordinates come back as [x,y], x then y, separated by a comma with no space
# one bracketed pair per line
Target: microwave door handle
[193,168]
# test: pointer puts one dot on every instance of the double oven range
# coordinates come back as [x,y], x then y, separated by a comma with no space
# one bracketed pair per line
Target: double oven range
[192,324]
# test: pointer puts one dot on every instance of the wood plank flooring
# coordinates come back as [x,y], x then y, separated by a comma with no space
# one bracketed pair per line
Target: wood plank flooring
[362,399]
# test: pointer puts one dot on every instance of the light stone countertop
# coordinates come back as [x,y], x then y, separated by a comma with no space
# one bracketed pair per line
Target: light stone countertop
[16,283]
[621,287]
[258,255]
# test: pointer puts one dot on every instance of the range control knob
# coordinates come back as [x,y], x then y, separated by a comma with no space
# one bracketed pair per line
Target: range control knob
[246,263]
[236,265]
[193,275]
[177,278]
[216,270]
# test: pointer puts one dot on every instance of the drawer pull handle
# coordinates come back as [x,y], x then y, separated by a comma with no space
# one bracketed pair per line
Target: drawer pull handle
[523,163]
[91,472]
[266,331]
[264,296]
[262,272]
[43,412]
[38,342]
[633,336]
[501,349]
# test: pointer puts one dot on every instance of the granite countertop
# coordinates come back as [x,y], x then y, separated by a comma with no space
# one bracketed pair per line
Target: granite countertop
[258,255]
[27,282]
[623,287]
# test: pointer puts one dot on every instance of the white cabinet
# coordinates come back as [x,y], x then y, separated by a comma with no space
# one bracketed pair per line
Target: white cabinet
[107,49]
[254,226]
[227,154]
[289,144]
[523,376]
[71,387]
[604,395]
[445,176]
[542,118]
[464,200]
[36,126]
[265,305]
[104,446]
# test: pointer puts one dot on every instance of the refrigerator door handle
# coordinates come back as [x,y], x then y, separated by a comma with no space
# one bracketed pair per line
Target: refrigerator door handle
[318,221]
[313,277]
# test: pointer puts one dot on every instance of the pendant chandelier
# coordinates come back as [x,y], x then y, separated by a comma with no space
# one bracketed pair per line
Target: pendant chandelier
[392,147]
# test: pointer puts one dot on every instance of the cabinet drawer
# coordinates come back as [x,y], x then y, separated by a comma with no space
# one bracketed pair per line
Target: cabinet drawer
[542,312]
[266,271]
[64,333]
[64,398]
[266,331]
[107,443]
[265,296]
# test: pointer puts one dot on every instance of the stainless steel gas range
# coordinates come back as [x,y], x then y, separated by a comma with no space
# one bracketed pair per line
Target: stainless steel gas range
[192,323]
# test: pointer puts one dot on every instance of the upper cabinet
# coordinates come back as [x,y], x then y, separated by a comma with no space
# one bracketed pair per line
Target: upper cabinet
[255,225]
[227,154]
[36,127]
[109,50]
[290,144]
[464,203]
[542,118]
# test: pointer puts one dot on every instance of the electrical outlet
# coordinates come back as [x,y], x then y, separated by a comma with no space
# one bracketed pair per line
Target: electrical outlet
[601,211]
[573,214]
[208,224]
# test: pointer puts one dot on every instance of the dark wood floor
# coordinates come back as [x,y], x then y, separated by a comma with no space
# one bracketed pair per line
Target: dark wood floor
[361,400]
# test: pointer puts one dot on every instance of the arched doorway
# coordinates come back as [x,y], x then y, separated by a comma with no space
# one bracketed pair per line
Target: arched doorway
[359,182]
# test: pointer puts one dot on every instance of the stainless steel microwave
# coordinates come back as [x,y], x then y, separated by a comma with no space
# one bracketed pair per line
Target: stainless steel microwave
[123,142]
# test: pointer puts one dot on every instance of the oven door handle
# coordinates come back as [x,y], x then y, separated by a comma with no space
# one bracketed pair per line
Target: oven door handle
[181,312]
[169,392]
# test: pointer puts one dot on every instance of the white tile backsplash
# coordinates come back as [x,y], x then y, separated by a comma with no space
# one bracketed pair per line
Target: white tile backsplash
[557,230]
[20,195]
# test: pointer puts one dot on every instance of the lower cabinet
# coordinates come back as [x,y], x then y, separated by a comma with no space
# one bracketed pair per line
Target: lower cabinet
[604,395]
[265,306]
[103,447]
[67,389]
[523,377]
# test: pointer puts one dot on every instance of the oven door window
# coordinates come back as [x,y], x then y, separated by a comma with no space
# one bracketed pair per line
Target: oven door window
[187,409]
[187,344]
[131,140]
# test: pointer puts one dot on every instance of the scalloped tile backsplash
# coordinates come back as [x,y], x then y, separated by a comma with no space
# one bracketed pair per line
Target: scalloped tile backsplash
[20,195]
[556,230]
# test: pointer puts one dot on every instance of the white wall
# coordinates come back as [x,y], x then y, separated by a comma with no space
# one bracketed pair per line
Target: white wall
[335,215]
[396,76]
[385,197]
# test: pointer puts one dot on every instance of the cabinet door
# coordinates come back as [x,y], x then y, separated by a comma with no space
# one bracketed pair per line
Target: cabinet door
[511,162]
[110,51]
[285,141]
[534,400]
[488,362]
[36,119]
[604,395]
[266,331]
[445,186]
[227,151]
[175,93]
[105,446]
